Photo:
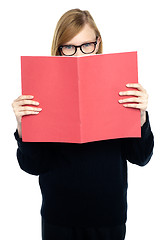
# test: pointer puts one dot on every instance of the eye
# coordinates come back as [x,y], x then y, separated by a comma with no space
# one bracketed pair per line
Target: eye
[87,44]
[69,47]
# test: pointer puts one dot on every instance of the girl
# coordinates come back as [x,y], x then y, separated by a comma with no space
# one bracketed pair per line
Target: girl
[84,186]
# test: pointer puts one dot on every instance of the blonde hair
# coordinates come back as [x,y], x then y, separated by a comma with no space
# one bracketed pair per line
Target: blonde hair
[69,25]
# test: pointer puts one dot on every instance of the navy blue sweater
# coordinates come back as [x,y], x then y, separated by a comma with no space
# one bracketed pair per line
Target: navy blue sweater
[85,184]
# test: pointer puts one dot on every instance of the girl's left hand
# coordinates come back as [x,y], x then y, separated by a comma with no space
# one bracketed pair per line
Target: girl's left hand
[138,100]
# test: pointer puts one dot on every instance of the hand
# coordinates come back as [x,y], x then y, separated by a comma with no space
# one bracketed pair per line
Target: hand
[140,101]
[20,109]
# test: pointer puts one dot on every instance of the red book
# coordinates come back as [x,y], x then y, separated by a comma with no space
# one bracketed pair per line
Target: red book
[79,97]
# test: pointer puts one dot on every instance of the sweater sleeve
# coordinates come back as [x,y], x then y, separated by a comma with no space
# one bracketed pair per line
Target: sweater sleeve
[139,150]
[32,156]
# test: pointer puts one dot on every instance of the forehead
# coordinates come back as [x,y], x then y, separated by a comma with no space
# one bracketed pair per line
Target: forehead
[87,34]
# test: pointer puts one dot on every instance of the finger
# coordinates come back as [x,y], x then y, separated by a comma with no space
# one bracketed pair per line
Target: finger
[132,93]
[24,97]
[137,106]
[29,108]
[135,99]
[27,102]
[136,85]
[23,113]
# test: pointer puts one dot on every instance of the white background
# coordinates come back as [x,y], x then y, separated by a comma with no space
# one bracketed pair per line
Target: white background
[27,28]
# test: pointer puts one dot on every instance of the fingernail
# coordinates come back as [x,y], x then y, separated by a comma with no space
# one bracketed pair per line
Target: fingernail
[120,93]
[127,85]
[120,101]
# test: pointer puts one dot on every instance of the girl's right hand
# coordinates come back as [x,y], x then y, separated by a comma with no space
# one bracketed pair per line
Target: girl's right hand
[20,109]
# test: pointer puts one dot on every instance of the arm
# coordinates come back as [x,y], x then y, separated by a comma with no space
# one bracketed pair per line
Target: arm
[32,156]
[139,150]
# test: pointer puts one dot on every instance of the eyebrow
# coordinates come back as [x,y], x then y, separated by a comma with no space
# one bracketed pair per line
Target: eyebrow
[80,44]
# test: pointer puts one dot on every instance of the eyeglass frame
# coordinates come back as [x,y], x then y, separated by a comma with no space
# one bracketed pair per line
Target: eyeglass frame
[80,46]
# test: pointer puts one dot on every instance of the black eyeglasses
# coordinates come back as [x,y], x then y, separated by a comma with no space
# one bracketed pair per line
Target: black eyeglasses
[86,48]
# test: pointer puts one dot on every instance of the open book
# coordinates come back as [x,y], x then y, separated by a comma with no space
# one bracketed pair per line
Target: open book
[79,97]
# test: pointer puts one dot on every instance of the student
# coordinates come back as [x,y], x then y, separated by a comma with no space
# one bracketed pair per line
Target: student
[84,186]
